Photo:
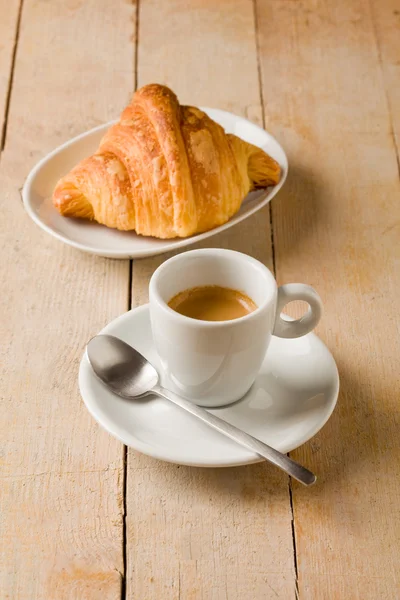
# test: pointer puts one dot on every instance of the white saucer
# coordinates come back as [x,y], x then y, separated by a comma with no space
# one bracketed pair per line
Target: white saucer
[292,398]
[97,239]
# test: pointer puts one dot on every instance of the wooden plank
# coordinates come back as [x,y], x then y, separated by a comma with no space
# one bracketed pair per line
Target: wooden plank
[336,227]
[9,22]
[198,533]
[62,477]
[385,16]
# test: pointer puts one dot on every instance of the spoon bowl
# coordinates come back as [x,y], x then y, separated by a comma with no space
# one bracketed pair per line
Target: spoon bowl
[122,368]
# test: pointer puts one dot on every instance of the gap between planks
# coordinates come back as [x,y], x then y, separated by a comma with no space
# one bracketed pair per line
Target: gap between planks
[129,305]
[260,83]
[125,465]
[11,79]
[383,77]
[260,80]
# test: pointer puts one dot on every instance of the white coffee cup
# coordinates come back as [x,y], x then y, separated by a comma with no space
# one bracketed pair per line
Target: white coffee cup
[214,363]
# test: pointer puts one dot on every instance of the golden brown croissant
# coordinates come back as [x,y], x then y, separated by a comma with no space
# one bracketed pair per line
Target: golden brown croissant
[164,170]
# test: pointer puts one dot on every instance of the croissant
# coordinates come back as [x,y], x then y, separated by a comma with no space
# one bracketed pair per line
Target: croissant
[164,170]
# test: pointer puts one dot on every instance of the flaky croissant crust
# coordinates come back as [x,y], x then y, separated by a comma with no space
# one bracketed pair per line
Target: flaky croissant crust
[164,170]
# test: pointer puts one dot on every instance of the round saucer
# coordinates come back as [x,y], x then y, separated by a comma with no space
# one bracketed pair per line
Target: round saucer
[291,399]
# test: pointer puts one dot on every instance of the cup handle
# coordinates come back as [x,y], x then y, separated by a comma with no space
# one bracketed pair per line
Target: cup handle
[294,329]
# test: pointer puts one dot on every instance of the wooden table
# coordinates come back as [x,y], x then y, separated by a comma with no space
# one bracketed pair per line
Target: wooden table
[84,518]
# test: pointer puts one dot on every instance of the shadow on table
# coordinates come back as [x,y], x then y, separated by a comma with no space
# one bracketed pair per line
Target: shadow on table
[198,486]
[358,442]
[298,211]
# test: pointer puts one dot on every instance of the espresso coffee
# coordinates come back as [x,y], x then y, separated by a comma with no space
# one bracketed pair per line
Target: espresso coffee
[212,303]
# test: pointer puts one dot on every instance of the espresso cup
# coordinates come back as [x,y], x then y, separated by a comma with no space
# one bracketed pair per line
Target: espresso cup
[214,363]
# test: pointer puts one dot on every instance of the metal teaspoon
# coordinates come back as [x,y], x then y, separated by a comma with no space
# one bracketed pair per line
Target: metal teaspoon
[130,375]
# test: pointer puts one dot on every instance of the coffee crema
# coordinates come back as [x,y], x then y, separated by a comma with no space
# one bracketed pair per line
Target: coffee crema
[212,303]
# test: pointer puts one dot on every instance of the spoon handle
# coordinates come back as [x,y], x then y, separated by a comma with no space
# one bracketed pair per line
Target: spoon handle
[278,459]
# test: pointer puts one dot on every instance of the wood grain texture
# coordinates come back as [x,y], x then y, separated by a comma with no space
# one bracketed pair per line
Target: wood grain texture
[197,533]
[336,226]
[9,13]
[385,16]
[330,74]
[61,476]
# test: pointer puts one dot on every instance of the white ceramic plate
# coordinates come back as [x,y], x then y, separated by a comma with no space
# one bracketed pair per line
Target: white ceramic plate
[292,398]
[97,239]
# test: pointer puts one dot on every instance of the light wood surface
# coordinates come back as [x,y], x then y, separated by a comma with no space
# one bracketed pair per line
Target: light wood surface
[62,477]
[336,227]
[80,517]
[385,18]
